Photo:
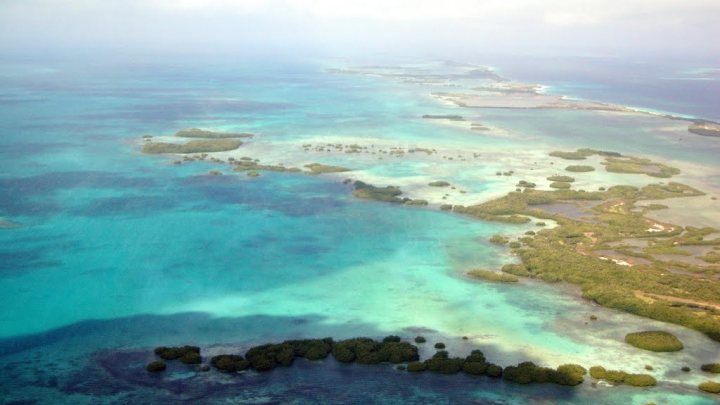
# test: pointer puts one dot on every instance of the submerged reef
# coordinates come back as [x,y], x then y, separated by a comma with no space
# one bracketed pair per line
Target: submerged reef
[198,146]
[450,117]
[493,276]
[5,224]
[656,341]
[499,240]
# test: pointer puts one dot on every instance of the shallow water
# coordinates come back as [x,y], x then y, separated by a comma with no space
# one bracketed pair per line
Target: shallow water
[122,251]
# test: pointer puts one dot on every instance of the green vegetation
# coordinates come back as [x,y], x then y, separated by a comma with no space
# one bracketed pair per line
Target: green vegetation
[620,377]
[267,357]
[568,253]
[416,366]
[368,351]
[370,192]
[499,240]
[443,364]
[526,184]
[439,183]
[229,363]
[186,354]
[317,168]
[711,367]
[579,168]
[711,257]
[711,387]
[527,372]
[640,166]
[252,166]
[156,366]
[560,185]
[191,358]
[202,133]
[580,154]
[420,339]
[199,146]
[492,276]
[493,370]
[439,345]
[656,341]
[561,179]
[174,353]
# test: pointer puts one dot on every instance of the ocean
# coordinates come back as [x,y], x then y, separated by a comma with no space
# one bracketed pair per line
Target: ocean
[110,252]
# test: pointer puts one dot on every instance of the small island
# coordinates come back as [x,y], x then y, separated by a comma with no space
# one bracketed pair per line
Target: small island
[198,146]
[656,341]
[705,128]
[203,133]
[317,168]
[580,168]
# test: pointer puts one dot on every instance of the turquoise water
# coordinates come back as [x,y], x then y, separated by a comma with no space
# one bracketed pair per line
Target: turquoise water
[117,252]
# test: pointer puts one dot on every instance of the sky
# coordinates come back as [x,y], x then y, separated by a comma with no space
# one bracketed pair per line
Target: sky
[446,28]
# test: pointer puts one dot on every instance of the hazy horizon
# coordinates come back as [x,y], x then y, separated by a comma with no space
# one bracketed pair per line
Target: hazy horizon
[427,29]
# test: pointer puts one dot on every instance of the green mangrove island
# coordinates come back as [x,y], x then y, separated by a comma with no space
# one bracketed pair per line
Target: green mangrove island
[404,355]
[362,350]
[574,251]
[203,133]
[579,168]
[197,146]
[656,341]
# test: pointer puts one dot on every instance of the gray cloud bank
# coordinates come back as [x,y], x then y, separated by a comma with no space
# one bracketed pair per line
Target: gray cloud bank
[324,27]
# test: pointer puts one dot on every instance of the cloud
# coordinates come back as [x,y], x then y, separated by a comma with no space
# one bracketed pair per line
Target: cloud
[433,25]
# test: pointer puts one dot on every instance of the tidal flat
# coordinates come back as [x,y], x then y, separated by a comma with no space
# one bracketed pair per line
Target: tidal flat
[293,254]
